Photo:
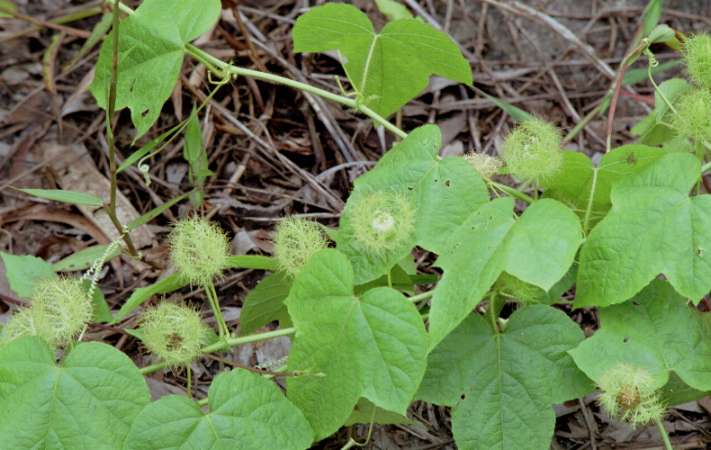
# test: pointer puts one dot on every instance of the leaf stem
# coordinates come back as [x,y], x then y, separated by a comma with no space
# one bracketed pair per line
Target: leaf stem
[217,312]
[227,343]
[420,297]
[663,433]
[706,167]
[110,139]
[588,207]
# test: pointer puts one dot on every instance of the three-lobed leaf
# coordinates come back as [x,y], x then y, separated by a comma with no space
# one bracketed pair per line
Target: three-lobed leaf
[151,45]
[658,331]
[265,303]
[654,228]
[502,385]
[246,411]
[88,402]
[539,249]
[347,347]
[388,68]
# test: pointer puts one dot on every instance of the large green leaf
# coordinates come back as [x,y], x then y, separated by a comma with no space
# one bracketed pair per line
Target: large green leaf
[247,412]
[389,68]
[657,331]
[23,271]
[86,403]
[654,228]
[503,385]
[372,346]
[151,45]
[444,191]
[539,249]
[583,187]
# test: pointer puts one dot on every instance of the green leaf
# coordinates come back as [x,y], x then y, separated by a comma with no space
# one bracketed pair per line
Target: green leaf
[247,412]
[23,271]
[145,149]
[539,249]
[653,228]
[584,188]
[85,258]
[672,89]
[657,331]
[72,197]
[502,385]
[86,403]
[517,114]
[151,45]
[444,191]
[264,303]
[650,17]
[372,346]
[393,9]
[196,156]
[102,312]
[389,68]
[139,296]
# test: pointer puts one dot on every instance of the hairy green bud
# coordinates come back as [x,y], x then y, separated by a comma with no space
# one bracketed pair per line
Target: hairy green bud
[59,312]
[198,250]
[628,393]
[697,53]
[693,118]
[520,290]
[296,241]
[175,334]
[382,221]
[532,151]
[29,322]
[486,165]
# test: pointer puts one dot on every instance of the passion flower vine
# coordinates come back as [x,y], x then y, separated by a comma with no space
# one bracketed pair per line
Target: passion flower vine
[697,54]
[296,241]
[486,165]
[59,312]
[199,252]
[691,120]
[532,151]
[382,221]
[628,393]
[174,333]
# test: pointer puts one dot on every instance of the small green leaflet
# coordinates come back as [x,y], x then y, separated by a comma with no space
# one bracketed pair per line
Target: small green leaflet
[196,156]
[585,188]
[444,190]
[389,68]
[151,45]
[140,295]
[372,346]
[653,228]
[71,197]
[539,249]
[23,271]
[657,331]
[247,412]
[503,385]
[265,303]
[86,403]
[393,9]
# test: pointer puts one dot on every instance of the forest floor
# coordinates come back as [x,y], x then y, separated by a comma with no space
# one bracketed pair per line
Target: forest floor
[276,152]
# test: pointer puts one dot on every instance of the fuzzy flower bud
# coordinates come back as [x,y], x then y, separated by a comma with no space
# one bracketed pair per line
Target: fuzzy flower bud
[382,221]
[296,241]
[628,393]
[693,118]
[532,151]
[486,165]
[520,290]
[198,249]
[59,312]
[697,53]
[174,333]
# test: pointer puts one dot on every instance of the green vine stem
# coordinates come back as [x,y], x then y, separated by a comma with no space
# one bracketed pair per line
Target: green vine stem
[420,297]
[664,434]
[228,343]
[209,288]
